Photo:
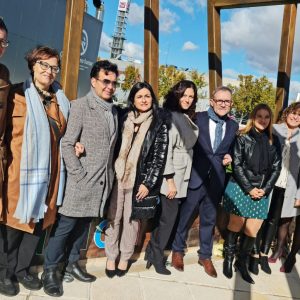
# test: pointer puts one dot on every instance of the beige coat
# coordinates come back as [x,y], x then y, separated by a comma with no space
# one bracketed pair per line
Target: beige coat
[183,135]
[16,115]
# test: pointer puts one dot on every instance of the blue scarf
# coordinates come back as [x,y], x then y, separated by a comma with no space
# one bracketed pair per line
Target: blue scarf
[219,128]
[36,156]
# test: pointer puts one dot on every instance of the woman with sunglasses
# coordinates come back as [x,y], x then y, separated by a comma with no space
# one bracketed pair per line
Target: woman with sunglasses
[36,120]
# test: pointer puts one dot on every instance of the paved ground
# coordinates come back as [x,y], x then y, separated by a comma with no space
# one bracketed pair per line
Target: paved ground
[193,284]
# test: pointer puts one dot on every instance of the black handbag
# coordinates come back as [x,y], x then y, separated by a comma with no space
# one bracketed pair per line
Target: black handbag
[145,209]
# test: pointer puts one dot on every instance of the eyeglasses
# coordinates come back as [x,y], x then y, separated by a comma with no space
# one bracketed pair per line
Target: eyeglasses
[108,82]
[220,101]
[4,43]
[45,66]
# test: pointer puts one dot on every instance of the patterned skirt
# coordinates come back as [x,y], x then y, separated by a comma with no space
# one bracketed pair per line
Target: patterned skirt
[238,203]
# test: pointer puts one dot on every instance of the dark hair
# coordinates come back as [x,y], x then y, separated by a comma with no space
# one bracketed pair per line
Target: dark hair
[176,93]
[40,52]
[137,87]
[290,109]
[2,25]
[223,89]
[105,65]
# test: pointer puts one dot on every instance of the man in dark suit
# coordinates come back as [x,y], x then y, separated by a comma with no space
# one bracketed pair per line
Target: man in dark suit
[211,155]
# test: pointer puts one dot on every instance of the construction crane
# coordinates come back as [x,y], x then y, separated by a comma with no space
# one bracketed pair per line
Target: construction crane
[120,28]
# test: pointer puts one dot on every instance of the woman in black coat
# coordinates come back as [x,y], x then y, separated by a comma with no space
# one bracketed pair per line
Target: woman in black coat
[139,168]
[256,167]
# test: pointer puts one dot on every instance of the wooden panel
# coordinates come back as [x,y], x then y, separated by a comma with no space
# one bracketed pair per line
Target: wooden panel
[151,37]
[285,57]
[72,46]
[249,3]
[214,47]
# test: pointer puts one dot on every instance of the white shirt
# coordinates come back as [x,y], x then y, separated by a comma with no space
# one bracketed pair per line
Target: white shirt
[212,131]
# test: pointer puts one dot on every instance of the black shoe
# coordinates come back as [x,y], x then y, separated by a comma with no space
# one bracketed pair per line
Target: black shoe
[7,287]
[159,268]
[30,282]
[264,264]
[75,270]
[110,273]
[52,282]
[253,265]
[242,268]
[120,273]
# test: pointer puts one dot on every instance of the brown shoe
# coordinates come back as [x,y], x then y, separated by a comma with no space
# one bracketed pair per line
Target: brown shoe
[208,267]
[177,261]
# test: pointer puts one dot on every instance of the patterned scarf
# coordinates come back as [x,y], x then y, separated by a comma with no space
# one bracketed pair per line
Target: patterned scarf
[127,160]
[219,127]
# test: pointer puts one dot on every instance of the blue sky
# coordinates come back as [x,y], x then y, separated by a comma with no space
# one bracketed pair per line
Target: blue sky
[250,37]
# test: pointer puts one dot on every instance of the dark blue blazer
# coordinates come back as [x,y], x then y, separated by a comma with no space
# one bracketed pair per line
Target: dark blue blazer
[205,161]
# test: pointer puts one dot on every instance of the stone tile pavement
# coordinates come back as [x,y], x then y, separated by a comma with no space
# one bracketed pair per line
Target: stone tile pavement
[193,283]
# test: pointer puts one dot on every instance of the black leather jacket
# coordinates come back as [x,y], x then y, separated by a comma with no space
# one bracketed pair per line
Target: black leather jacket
[153,155]
[242,152]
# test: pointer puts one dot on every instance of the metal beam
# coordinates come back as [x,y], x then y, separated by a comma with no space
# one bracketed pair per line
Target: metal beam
[72,47]
[224,4]
[151,37]
[285,57]
[214,47]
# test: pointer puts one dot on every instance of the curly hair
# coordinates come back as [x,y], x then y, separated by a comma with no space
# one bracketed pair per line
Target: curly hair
[172,99]
[290,109]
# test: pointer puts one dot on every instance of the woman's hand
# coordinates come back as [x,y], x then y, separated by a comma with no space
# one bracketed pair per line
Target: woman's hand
[255,193]
[79,149]
[261,192]
[142,192]
[172,191]
[226,160]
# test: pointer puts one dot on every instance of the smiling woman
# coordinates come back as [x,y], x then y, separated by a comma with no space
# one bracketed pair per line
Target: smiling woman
[36,120]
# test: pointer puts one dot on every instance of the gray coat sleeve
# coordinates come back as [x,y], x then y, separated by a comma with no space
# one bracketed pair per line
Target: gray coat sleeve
[169,167]
[74,128]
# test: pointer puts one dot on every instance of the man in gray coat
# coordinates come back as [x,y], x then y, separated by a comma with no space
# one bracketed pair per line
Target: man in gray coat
[93,123]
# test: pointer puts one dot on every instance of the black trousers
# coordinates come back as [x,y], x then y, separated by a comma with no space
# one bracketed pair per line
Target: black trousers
[18,250]
[161,234]
[67,237]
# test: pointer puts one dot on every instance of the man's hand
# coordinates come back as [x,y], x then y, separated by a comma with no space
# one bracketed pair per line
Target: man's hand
[226,160]
[142,192]
[79,149]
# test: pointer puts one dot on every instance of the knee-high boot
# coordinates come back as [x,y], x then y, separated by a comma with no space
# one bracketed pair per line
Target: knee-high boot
[229,252]
[241,262]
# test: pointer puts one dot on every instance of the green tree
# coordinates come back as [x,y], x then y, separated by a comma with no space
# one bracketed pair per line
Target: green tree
[132,75]
[198,79]
[167,77]
[252,91]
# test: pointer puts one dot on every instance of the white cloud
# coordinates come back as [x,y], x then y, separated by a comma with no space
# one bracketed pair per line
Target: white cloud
[188,6]
[130,49]
[257,32]
[189,46]
[168,20]
[133,50]
[105,42]
[294,89]
[230,73]
[136,14]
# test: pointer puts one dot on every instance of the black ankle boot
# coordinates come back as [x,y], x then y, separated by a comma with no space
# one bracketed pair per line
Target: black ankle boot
[240,264]
[8,288]
[75,270]
[229,252]
[264,264]
[253,265]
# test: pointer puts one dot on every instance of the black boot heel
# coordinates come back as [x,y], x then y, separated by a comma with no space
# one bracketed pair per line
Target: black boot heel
[253,265]
[148,265]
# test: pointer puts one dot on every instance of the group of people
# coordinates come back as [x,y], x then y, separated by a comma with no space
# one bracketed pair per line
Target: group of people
[62,166]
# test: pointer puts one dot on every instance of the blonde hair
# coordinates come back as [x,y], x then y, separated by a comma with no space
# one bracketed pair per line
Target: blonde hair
[250,122]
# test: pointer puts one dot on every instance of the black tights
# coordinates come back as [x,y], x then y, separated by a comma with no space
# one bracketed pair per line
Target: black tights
[296,239]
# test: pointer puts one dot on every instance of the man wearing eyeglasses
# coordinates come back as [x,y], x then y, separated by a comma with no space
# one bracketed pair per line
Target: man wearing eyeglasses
[211,155]
[92,123]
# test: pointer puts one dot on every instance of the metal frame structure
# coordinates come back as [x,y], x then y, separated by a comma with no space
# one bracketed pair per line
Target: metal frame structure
[214,8]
